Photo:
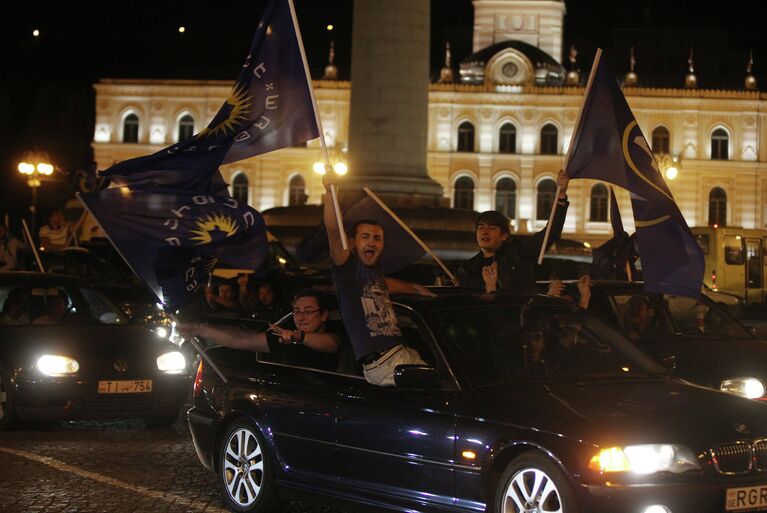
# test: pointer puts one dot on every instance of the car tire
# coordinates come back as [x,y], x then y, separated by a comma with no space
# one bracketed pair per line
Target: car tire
[246,471]
[8,418]
[532,482]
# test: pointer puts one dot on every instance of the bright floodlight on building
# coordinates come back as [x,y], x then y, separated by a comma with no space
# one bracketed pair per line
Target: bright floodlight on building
[36,33]
[671,172]
[329,27]
[340,168]
[181,29]
[319,168]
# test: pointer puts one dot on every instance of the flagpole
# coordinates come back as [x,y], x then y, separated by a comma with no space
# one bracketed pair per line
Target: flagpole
[31,243]
[328,167]
[410,232]
[597,57]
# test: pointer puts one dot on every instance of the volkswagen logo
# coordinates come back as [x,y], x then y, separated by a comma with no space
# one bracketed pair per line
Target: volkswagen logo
[740,428]
[121,365]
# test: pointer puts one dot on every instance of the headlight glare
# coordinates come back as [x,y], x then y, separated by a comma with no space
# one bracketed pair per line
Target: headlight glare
[645,459]
[750,388]
[161,331]
[54,365]
[171,362]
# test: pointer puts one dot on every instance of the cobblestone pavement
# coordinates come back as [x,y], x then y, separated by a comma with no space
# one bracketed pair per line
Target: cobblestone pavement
[109,467]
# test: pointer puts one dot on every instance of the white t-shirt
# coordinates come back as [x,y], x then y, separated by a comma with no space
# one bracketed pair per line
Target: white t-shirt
[57,238]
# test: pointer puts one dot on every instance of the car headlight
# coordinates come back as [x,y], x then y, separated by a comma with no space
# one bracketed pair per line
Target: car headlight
[645,459]
[750,388]
[54,365]
[161,331]
[171,362]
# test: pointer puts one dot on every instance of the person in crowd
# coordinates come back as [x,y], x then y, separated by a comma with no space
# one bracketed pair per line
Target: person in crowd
[310,314]
[638,318]
[582,299]
[15,309]
[258,298]
[55,310]
[55,234]
[363,296]
[505,263]
[224,300]
[9,250]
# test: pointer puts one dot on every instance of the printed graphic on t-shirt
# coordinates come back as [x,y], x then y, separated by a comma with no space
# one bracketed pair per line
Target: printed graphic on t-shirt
[379,314]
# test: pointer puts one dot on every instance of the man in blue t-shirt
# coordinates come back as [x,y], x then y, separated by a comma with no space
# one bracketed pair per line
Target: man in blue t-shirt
[363,297]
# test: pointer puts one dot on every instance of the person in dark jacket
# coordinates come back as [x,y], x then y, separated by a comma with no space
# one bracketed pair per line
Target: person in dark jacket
[508,263]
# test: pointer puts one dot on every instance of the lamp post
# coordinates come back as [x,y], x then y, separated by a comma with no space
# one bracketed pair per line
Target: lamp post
[669,166]
[34,170]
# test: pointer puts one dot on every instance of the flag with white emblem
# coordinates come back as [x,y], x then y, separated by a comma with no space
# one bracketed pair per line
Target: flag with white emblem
[269,107]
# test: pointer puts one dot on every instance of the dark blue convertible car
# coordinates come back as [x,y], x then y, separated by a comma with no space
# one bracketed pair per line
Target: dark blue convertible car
[525,405]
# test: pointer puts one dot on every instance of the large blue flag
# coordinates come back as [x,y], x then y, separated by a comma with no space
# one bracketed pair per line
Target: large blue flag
[269,107]
[173,240]
[400,249]
[608,145]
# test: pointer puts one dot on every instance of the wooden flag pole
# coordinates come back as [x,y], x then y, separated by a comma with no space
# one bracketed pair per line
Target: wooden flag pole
[628,271]
[31,243]
[410,232]
[328,167]
[597,57]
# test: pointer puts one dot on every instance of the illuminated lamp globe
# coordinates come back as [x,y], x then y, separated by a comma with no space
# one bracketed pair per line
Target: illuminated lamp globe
[671,172]
[340,168]
[319,168]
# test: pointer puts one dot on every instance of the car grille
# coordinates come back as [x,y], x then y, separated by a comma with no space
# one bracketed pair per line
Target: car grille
[741,457]
[760,455]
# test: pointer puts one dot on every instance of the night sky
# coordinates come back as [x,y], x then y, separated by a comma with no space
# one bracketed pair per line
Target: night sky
[47,100]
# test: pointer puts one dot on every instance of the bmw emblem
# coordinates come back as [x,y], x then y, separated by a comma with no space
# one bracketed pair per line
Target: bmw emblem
[741,428]
[121,365]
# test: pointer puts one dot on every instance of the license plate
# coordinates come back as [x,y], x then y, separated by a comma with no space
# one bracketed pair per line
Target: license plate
[125,386]
[751,498]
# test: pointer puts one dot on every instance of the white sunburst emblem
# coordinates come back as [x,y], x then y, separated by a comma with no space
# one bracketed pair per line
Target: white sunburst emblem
[214,227]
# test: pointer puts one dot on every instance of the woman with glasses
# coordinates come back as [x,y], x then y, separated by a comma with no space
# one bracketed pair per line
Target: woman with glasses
[310,313]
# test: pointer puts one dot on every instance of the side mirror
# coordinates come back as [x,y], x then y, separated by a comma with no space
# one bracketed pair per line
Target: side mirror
[416,376]
[669,362]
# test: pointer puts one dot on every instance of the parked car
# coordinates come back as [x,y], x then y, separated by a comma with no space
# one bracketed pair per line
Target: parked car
[495,421]
[67,352]
[703,343]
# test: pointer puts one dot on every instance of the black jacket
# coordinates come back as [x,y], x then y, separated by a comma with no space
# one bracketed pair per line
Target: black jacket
[516,259]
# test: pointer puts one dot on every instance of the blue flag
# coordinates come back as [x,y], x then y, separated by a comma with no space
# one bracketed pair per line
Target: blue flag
[269,107]
[173,240]
[400,249]
[608,145]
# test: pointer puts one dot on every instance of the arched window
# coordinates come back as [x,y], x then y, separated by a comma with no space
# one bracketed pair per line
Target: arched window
[185,127]
[661,140]
[549,140]
[130,128]
[466,137]
[720,143]
[463,194]
[240,189]
[717,207]
[599,197]
[506,197]
[545,199]
[297,191]
[507,139]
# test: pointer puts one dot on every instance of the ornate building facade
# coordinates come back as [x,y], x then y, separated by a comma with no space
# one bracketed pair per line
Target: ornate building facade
[497,135]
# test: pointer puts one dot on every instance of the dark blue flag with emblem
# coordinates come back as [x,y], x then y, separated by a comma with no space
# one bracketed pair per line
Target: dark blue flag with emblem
[269,107]
[400,249]
[608,145]
[173,240]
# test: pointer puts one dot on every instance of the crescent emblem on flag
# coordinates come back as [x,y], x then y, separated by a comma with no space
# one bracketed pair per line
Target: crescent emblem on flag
[630,161]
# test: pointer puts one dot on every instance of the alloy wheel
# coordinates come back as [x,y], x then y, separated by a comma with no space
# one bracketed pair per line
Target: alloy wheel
[531,490]
[243,467]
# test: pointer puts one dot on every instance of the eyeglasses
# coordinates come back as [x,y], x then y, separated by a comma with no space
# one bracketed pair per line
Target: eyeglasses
[307,312]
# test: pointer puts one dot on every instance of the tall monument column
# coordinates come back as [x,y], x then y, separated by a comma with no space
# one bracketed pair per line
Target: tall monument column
[388,124]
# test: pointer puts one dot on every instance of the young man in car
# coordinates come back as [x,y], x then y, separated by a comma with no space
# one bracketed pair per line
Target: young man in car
[363,296]
[310,313]
[509,264]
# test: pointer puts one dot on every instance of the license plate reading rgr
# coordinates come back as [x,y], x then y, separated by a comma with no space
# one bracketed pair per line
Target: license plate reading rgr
[125,386]
[746,499]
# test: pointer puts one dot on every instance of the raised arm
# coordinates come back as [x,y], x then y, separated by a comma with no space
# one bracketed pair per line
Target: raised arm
[229,337]
[396,286]
[323,342]
[338,254]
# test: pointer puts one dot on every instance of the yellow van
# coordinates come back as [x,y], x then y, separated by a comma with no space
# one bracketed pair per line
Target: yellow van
[735,260]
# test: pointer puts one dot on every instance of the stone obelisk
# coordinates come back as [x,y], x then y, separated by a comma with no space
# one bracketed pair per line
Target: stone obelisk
[388,123]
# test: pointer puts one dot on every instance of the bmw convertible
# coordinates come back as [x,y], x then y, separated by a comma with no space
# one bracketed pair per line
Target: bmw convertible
[68,353]
[525,404]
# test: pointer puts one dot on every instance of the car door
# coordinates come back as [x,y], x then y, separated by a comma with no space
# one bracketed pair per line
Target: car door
[397,444]
[299,404]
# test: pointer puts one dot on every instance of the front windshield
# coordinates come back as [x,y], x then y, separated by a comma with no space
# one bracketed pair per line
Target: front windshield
[696,317]
[494,344]
[29,305]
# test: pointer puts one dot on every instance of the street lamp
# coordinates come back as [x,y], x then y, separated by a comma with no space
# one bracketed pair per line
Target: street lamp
[669,166]
[34,170]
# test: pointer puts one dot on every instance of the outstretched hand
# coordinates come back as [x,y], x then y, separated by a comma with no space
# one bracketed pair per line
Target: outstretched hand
[422,291]
[286,336]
